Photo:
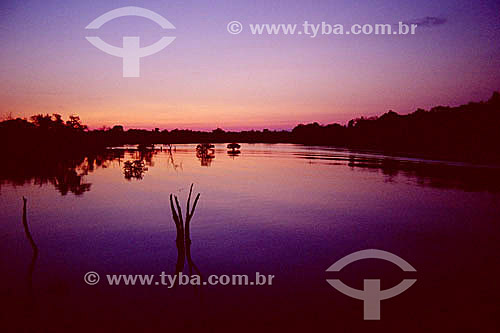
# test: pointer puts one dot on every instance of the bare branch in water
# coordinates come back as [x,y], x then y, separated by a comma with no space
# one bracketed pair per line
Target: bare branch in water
[178,224]
[189,216]
[194,205]
[26,228]
[183,231]
[189,199]
[179,210]
[31,268]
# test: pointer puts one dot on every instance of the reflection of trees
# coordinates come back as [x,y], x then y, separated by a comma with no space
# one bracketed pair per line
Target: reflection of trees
[70,181]
[146,156]
[437,175]
[467,177]
[66,175]
[134,169]
[205,153]
[205,157]
[171,161]
[233,153]
[65,172]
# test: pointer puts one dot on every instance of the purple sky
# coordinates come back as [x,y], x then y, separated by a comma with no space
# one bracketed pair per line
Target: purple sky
[209,78]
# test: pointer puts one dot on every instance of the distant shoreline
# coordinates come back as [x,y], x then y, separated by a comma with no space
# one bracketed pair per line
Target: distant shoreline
[468,133]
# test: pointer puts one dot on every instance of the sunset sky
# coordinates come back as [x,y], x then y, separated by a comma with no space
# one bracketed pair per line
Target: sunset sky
[209,78]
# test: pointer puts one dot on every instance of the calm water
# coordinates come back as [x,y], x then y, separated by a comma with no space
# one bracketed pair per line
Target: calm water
[286,210]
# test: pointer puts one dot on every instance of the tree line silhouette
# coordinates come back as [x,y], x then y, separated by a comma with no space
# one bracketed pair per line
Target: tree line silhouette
[468,132]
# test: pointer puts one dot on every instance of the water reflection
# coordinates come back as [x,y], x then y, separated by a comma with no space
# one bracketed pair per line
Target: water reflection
[233,153]
[67,174]
[234,149]
[284,209]
[134,169]
[205,157]
[205,152]
[424,173]
[171,161]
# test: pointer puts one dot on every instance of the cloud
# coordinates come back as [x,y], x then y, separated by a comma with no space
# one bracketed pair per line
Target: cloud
[428,21]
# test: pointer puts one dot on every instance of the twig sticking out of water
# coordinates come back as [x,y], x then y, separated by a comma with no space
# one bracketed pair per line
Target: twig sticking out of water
[27,229]
[31,268]
[189,215]
[183,231]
